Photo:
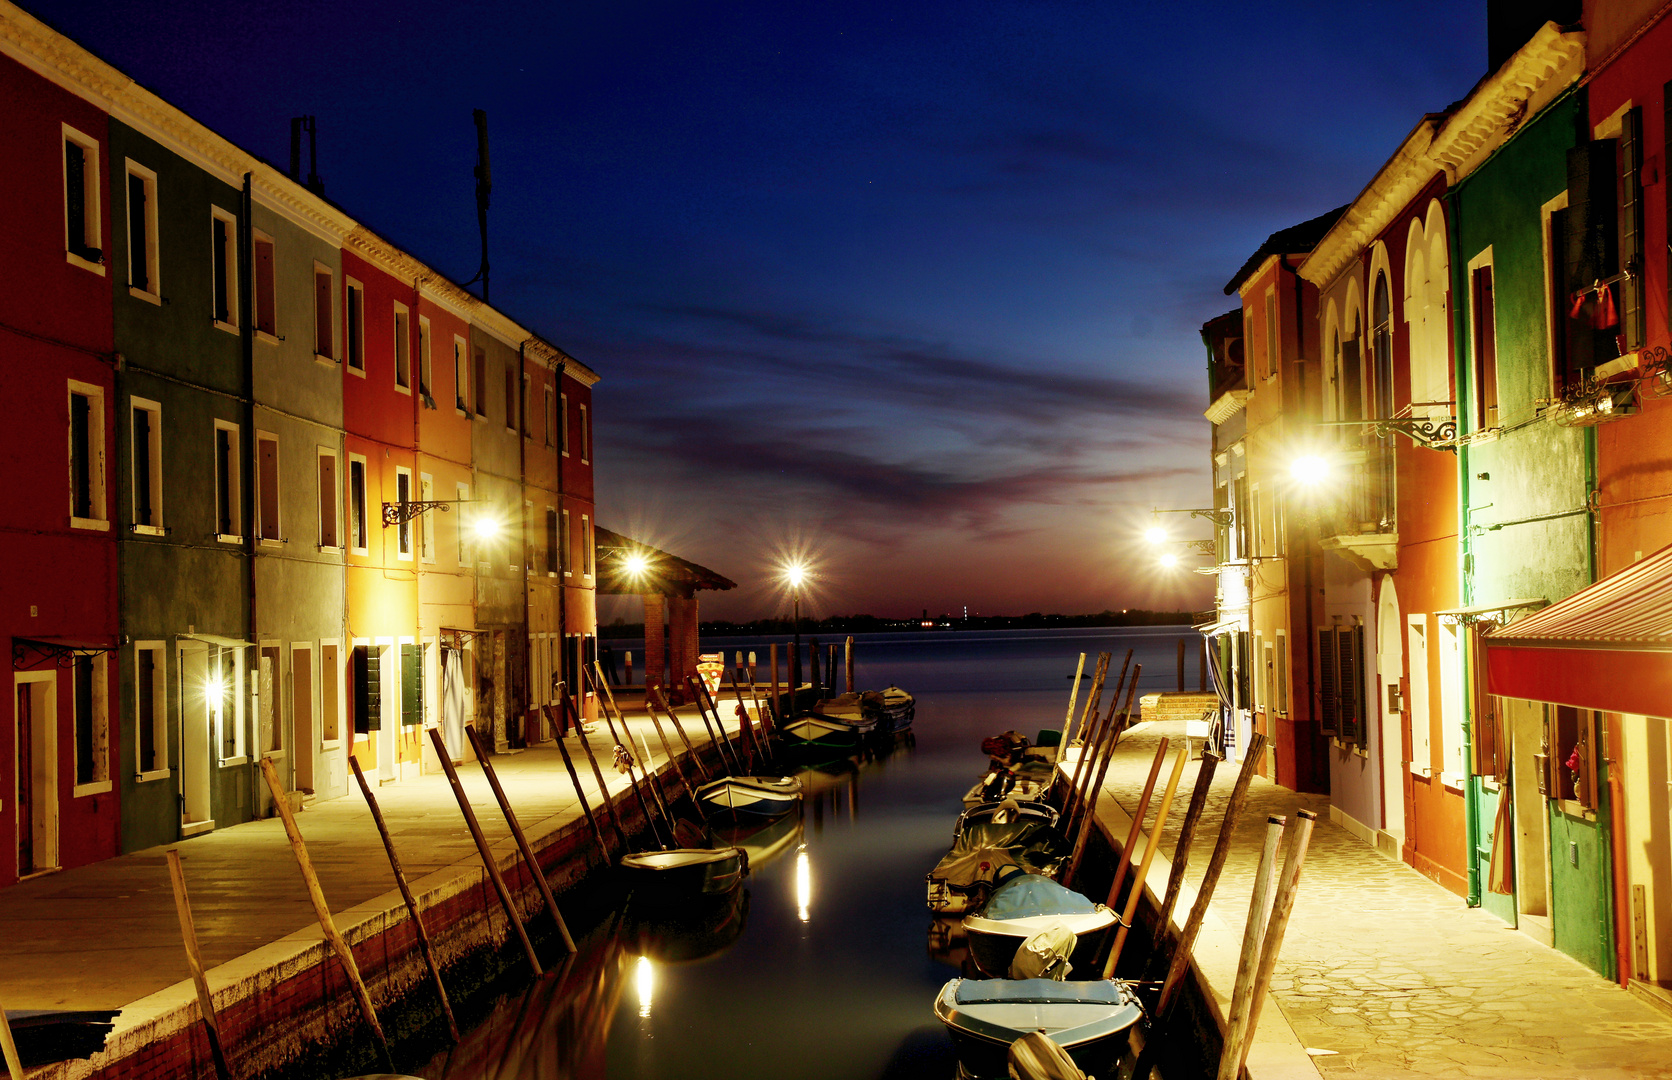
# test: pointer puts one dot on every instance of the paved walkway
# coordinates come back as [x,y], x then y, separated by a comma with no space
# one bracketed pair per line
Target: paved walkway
[106,935]
[1384,973]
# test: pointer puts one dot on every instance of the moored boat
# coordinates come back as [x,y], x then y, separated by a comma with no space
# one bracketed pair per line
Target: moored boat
[1022,906]
[1002,811]
[44,1036]
[988,854]
[749,796]
[824,733]
[1092,1021]
[684,872]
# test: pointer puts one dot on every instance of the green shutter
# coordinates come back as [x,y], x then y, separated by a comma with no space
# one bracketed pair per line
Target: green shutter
[1349,684]
[368,689]
[412,685]
[1329,705]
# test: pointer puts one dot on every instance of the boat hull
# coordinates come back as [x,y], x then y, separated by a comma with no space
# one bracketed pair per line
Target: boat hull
[684,872]
[749,796]
[1092,1021]
[993,942]
[818,733]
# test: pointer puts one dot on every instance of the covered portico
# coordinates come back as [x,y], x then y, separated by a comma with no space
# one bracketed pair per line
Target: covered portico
[668,585]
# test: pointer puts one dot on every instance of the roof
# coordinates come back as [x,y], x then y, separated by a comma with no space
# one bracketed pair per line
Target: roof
[1628,610]
[663,573]
[1295,240]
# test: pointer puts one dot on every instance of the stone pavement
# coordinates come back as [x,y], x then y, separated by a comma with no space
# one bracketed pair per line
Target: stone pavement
[1384,973]
[106,935]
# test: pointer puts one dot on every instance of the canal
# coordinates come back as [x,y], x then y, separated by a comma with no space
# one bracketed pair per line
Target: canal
[822,968]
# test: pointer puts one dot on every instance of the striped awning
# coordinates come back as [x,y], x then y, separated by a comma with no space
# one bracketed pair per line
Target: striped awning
[1608,646]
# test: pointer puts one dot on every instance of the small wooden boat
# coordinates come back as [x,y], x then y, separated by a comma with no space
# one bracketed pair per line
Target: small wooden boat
[44,1036]
[1002,811]
[1026,904]
[988,854]
[820,732]
[1006,784]
[749,796]
[684,872]
[1093,1021]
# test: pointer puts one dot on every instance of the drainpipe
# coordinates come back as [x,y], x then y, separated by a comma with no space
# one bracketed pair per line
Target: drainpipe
[562,587]
[522,513]
[246,496]
[1306,562]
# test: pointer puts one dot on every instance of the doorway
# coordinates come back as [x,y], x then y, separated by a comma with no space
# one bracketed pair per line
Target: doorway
[302,712]
[196,752]
[37,777]
[1390,661]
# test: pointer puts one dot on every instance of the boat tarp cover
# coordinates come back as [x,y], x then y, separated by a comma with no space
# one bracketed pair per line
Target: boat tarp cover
[1035,894]
[1038,992]
[985,849]
[1044,955]
[1035,1057]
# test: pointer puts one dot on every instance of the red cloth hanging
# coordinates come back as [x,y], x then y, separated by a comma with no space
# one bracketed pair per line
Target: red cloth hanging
[1604,316]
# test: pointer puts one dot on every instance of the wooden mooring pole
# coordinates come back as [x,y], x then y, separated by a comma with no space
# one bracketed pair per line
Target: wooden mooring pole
[1137,822]
[679,729]
[848,646]
[1073,695]
[345,955]
[8,1049]
[564,701]
[1299,840]
[575,779]
[1248,960]
[1181,852]
[406,895]
[194,960]
[488,863]
[1136,892]
[530,863]
[1088,809]
[772,662]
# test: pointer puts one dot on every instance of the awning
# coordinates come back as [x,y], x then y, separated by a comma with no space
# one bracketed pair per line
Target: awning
[1223,626]
[62,651]
[1484,612]
[223,642]
[1607,647]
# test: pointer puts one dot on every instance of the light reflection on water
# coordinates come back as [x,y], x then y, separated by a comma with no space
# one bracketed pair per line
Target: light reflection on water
[751,986]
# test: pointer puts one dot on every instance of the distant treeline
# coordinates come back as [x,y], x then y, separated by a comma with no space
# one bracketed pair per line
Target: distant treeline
[871,624]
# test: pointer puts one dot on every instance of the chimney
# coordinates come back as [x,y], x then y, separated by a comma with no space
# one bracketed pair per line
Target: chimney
[298,125]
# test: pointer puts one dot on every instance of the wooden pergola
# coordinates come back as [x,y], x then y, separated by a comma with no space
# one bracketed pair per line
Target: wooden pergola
[668,586]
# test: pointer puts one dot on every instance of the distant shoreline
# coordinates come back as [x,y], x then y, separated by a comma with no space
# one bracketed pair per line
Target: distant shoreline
[866,624]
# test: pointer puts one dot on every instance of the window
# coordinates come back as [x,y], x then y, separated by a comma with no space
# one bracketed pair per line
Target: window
[150,710]
[83,231]
[329,537]
[142,232]
[463,493]
[1271,332]
[586,546]
[563,546]
[479,382]
[1573,732]
[1483,322]
[1631,229]
[1259,524]
[148,461]
[403,350]
[1341,683]
[269,698]
[1453,762]
[527,427]
[266,287]
[549,415]
[403,496]
[426,521]
[357,503]
[325,321]
[461,380]
[551,542]
[412,685]
[1280,673]
[1263,691]
[223,263]
[563,423]
[510,398]
[1279,526]
[354,324]
[424,374]
[87,457]
[586,437]
[330,693]
[365,670]
[228,525]
[92,724]
[267,486]
[226,666]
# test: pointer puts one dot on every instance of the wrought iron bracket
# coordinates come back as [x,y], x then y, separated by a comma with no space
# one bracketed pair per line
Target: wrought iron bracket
[61,655]
[1440,435]
[399,513]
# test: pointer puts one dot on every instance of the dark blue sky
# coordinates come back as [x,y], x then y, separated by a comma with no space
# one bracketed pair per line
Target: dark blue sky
[912,288]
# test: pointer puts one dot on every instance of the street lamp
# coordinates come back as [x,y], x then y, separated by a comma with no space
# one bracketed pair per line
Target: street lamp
[485,527]
[794,575]
[1309,470]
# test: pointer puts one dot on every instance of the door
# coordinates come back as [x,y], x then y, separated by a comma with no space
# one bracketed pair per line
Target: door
[388,732]
[37,777]
[1391,733]
[1422,748]
[196,751]
[306,742]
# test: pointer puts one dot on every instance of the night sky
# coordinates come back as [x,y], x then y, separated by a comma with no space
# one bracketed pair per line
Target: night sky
[911,289]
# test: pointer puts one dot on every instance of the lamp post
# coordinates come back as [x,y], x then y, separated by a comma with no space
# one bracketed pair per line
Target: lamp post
[794,575]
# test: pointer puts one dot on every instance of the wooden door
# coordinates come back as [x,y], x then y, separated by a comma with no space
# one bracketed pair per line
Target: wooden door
[25,780]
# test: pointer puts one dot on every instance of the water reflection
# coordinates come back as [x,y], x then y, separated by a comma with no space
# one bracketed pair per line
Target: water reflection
[803,884]
[646,980]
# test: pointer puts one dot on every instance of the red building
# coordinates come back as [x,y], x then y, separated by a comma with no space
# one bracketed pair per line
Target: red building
[58,748]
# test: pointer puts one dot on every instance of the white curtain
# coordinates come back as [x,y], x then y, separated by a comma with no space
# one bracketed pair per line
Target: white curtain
[452,701]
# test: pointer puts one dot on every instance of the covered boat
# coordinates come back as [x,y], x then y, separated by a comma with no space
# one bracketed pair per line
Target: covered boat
[44,1036]
[1092,1021]
[1024,905]
[1002,811]
[988,853]
[749,796]
[1021,783]
[684,872]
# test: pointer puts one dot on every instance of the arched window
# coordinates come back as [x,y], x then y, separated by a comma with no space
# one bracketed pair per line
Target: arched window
[1381,345]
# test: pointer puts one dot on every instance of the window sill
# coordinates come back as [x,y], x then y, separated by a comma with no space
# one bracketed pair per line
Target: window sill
[196,828]
[568,573]
[364,553]
[321,358]
[331,744]
[402,558]
[154,774]
[358,372]
[270,542]
[86,264]
[586,461]
[399,389]
[230,762]
[328,549]
[149,297]
[148,530]
[461,410]
[89,523]
[565,453]
[229,538]
[274,755]
[551,573]
[231,328]
[1453,781]
[97,787]
[269,338]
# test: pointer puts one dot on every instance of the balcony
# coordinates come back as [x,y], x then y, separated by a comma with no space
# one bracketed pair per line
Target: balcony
[1358,519]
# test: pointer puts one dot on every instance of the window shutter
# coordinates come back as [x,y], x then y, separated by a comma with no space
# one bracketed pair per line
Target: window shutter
[1667,99]
[1347,673]
[1631,227]
[1280,674]
[81,465]
[366,669]
[1589,248]
[1329,704]
[138,247]
[75,196]
[412,685]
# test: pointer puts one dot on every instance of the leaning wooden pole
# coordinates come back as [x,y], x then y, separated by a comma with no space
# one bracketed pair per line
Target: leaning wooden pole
[704,696]
[488,863]
[772,662]
[564,701]
[422,934]
[752,739]
[1088,813]
[627,760]
[194,960]
[1136,893]
[1181,851]
[1136,828]
[1073,696]
[575,779]
[345,955]
[9,1054]
[679,729]
[719,740]
[1299,840]
[1093,749]
[530,863]
[1248,959]
[667,748]
[848,657]
[624,761]
[1088,716]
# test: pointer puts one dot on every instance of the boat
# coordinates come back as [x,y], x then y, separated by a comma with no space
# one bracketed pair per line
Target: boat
[44,1036]
[821,732]
[1022,906]
[749,796]
[1022,784]
[987,854]
[682,873]
[1093,1021]
[1002,811]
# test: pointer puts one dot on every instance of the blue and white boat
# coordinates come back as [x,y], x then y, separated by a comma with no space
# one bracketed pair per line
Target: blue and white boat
[749,796]
[1023,906]
[1093,1021]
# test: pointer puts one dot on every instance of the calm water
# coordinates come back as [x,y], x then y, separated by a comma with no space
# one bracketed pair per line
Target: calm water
[822,969]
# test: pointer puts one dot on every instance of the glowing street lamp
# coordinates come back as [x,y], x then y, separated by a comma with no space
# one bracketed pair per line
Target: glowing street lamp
[795,574]
[1309,470]
[1156,535]
[635,565]
[486,527]
[1169,561]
